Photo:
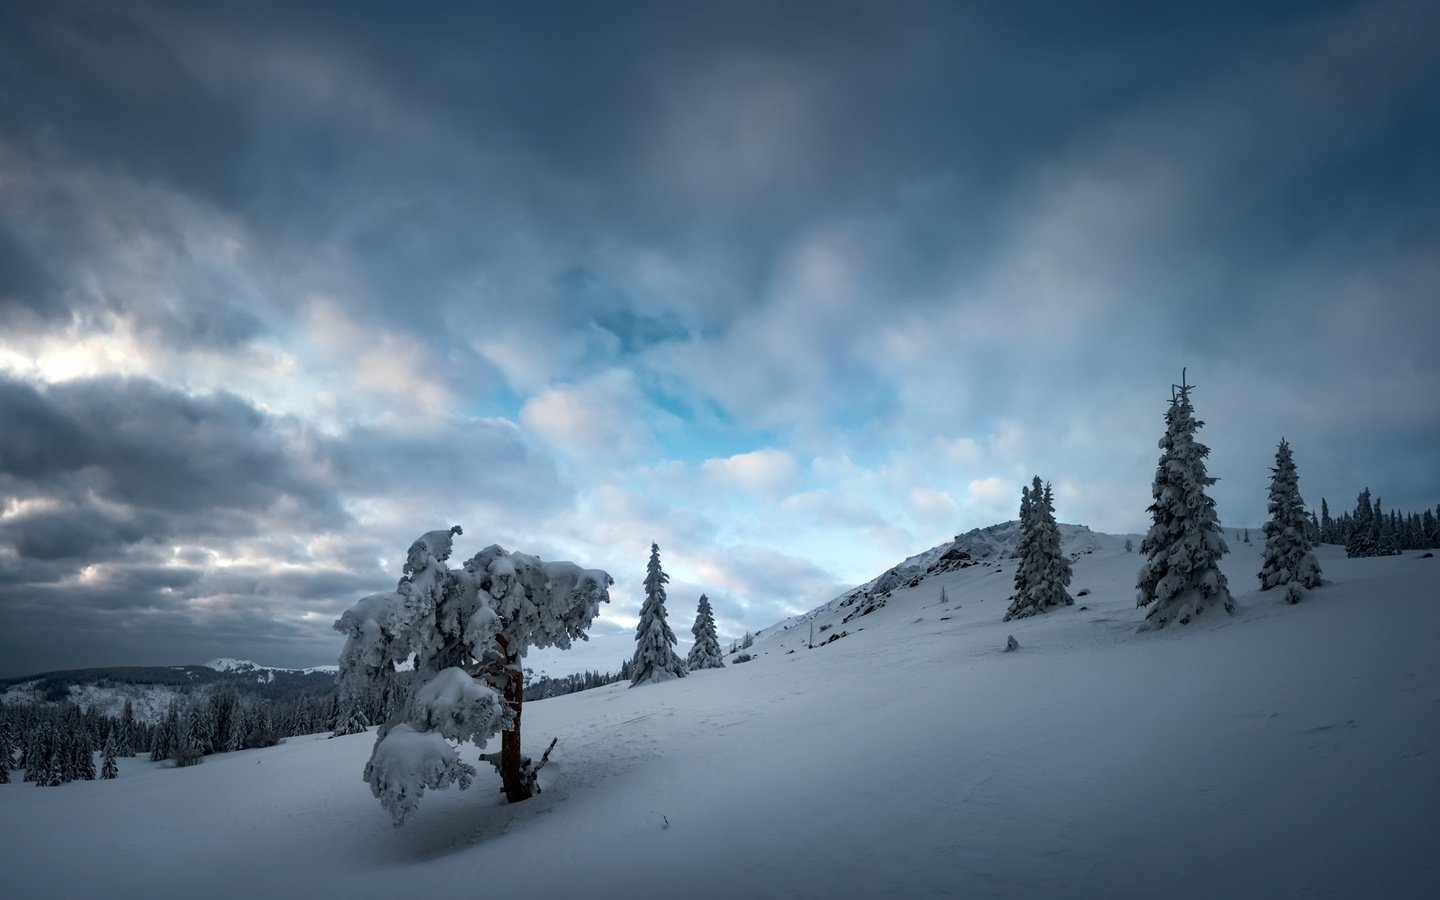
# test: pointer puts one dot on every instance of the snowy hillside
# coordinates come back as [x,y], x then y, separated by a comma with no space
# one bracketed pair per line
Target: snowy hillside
[1286,751]
[988,547]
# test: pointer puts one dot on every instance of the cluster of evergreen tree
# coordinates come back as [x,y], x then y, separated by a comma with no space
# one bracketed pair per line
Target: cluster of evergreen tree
[546,686]
[53,744]
[56,742]
[1371,531]
[655,658]
[1042,573]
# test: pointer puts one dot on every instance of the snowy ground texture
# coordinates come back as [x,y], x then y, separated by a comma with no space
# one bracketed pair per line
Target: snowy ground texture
[1287,751]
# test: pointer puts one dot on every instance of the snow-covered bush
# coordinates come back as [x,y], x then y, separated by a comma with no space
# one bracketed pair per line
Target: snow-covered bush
[467,630]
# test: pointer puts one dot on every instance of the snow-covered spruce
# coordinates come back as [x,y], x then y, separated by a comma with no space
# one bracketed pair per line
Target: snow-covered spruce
[705,653]
[655,657]
[1042,573]
[1022,549]
[1287,562]
[352,718]
[467,630]
[1181,576]
[108,767]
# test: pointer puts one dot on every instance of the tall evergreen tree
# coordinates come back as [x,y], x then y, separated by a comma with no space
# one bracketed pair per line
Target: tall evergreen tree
[705,653]
[1024,544]
[353,721]
[1181,576]
[1287,561]
[125,740]
[1043,569]
[1327,525]
[108,768]
[655,658]
[1363,539]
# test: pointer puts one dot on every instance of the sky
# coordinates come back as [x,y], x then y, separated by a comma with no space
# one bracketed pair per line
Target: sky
[792,290]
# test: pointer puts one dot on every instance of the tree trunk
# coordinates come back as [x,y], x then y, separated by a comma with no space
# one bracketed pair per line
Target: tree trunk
[516,786]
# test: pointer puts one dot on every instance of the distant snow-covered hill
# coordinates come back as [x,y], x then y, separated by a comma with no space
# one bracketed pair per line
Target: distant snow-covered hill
[989,547]
[262,673]
[152,689]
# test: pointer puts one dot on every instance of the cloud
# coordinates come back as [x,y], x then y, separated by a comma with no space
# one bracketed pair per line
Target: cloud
[602,421]
[768,471]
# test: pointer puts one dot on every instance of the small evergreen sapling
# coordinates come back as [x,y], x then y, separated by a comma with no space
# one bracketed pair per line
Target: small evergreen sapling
[1181,576]
[1287,561]
[655,657]
[705,653]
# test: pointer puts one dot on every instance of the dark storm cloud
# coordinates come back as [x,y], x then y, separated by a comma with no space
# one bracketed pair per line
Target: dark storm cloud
[422,139]
[136,443]
[193,512]
[90,79]
[26,288]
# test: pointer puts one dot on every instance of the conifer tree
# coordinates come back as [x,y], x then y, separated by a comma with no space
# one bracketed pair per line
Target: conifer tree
[1363,538]
[125,740]
[1181,576]
[467,631]
[1287,561]
[705,653]
[7,750]
[82,753]
[655,658]
[1327,524]
[1042,573]
[353,721]
[108,768]
[1023,545]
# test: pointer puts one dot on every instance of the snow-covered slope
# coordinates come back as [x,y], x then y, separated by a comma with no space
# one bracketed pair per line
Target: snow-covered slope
[990,547]
[1287,751]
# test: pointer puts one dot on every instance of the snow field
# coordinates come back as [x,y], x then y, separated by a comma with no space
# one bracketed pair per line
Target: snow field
[1285,751]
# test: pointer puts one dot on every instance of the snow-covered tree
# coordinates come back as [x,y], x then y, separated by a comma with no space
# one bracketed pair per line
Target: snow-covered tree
[467,630]
[352,720]
[705,653]
[655,657]
[1023,546]
[1042,572]
[1287,561]
[1363,539]
[1181,576]
[108,768]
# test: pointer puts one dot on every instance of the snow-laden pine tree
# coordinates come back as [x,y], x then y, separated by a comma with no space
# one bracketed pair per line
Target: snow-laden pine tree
[1287,561]
[467,631]
[351,719]
[1042,573]
[655,657]
[1363,537]
[1023,545]
[1181,576]
[108,768]
[705,653]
